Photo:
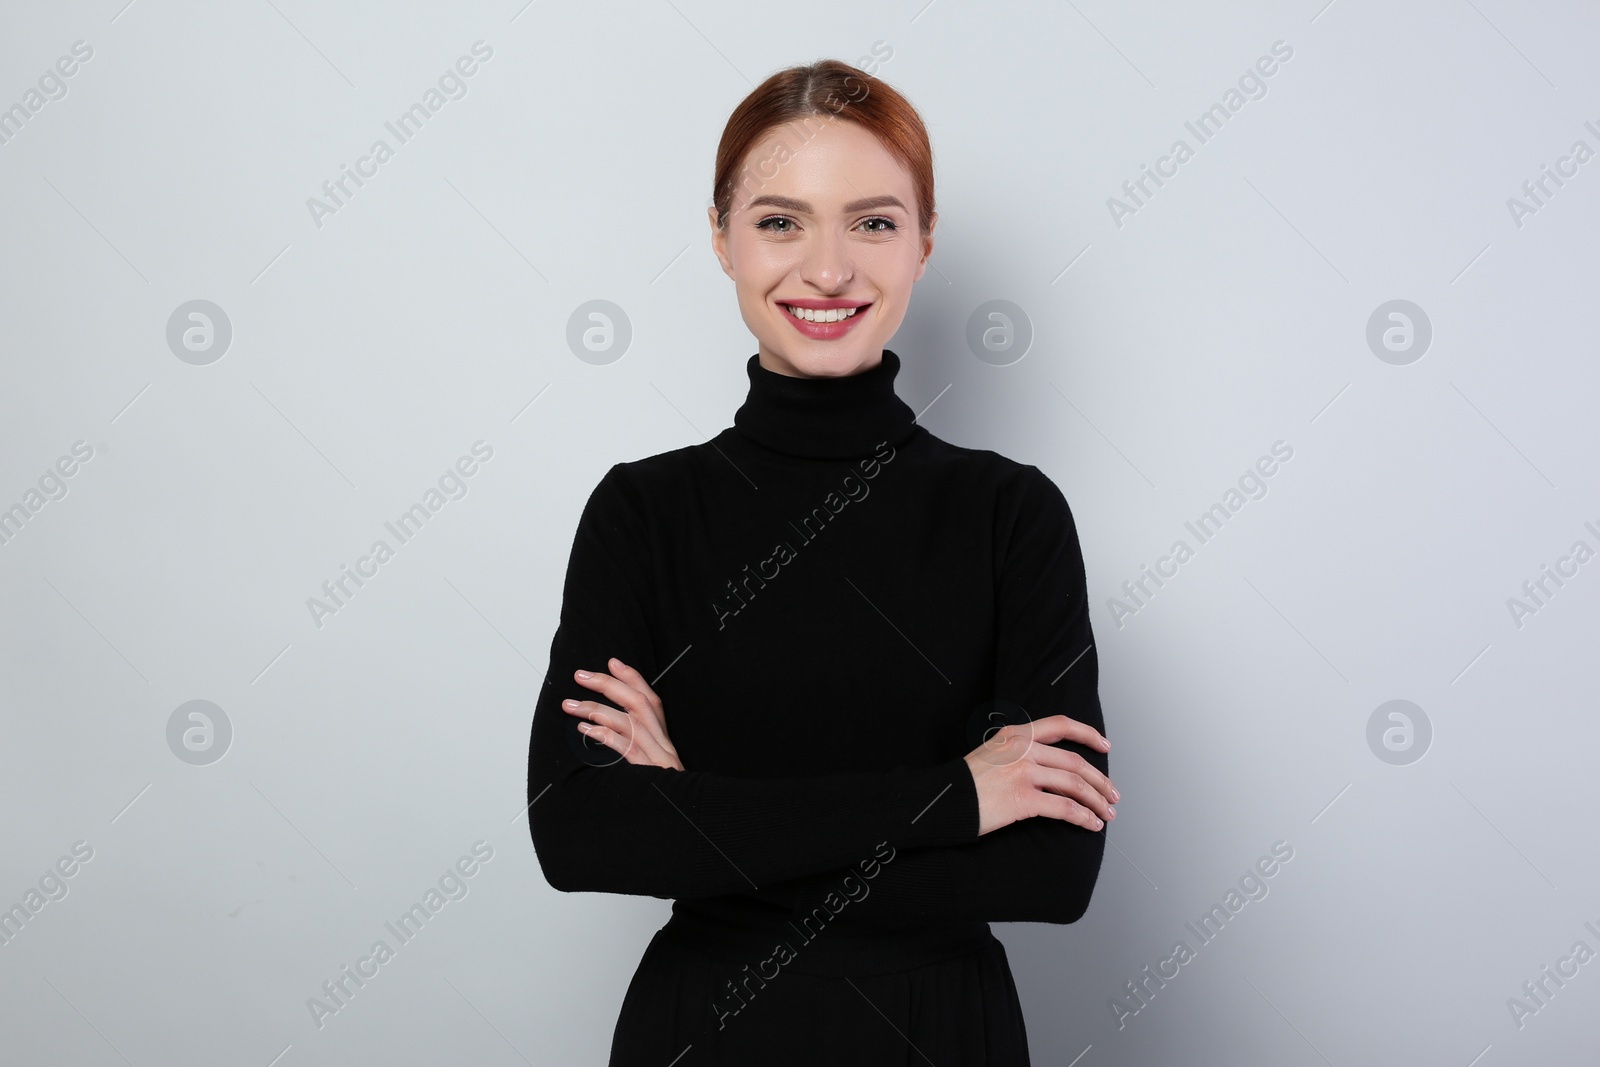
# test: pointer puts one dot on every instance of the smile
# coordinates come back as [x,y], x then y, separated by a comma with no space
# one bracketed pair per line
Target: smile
[827,315]
[824,323]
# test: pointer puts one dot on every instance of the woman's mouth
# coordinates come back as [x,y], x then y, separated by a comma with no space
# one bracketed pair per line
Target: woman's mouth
[827,322]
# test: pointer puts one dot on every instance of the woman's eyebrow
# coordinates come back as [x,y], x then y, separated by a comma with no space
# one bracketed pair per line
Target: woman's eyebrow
[789,203]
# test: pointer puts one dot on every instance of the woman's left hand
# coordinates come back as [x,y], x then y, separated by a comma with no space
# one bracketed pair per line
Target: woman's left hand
[639,731]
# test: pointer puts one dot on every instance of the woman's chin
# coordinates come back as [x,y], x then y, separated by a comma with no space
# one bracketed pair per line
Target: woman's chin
[818,359]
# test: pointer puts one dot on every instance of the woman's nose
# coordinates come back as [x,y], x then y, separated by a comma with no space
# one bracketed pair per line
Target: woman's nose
[827,262]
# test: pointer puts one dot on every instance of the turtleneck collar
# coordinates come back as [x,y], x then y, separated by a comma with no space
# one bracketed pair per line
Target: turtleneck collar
[825,418]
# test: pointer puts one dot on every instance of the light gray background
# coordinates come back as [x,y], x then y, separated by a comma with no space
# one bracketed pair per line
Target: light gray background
[1169,353]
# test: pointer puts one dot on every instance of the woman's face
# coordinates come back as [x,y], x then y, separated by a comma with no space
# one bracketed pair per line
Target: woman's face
[823,217]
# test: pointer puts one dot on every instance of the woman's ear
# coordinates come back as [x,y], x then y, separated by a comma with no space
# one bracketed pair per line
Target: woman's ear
[719,242]
[927,246]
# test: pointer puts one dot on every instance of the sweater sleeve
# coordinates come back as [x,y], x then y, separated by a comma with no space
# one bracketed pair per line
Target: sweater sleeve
[602,824]
[1038,869]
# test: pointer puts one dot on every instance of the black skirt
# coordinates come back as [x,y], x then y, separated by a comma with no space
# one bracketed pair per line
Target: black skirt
[704,998]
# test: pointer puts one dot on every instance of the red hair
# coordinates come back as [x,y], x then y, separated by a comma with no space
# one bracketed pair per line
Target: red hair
[828,88]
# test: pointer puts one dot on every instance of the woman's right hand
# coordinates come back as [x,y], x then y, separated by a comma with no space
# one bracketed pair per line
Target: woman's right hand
[1020,775]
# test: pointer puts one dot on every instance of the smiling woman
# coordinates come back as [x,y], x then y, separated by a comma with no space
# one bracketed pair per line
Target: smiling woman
[836,264]
[838,720]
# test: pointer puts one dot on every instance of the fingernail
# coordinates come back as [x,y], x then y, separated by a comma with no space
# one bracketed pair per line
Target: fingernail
[1115,795]
[584,674]
[569,703]
[584,727]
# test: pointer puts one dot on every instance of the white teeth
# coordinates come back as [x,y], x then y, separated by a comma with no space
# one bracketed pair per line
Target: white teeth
[831,315]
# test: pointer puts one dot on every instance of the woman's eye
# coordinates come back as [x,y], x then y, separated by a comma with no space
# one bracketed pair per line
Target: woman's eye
[888,224]
[770,223]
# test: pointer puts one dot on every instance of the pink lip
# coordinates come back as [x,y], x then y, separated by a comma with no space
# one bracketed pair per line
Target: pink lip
[824,331]
[825,305]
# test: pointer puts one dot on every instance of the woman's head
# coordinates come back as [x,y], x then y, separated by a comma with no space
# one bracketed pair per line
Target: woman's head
[823,195]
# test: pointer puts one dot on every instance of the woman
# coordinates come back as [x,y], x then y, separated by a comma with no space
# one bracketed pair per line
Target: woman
[874,645]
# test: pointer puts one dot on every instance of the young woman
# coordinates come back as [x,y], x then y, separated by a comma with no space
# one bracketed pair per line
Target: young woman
[872,648]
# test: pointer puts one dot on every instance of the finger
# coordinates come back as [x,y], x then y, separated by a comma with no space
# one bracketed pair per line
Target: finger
[631,749]
[612,740]
[647,720]
[1069,784]
[635,679]
[615,690]
[652,708]
[1006,745]
[642,704]
[620,723]
[1053,728]
[636,695]
[1050,756]
[1068,810]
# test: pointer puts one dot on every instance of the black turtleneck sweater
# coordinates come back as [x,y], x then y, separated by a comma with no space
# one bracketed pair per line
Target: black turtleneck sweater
[831,603]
